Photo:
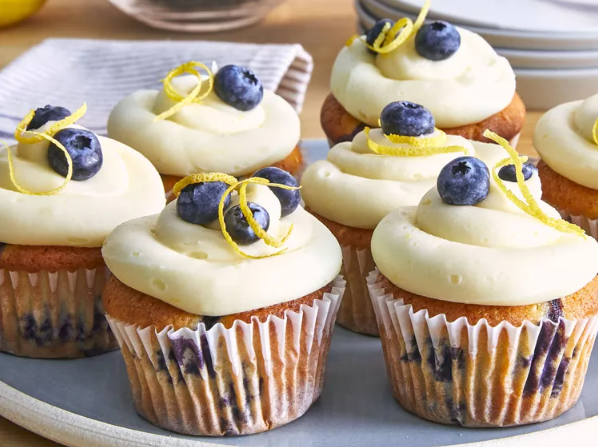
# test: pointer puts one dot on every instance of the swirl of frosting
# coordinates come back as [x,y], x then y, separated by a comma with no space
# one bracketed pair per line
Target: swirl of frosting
[192,267]
[563,138]
[356,187]
[451,89]
[207,136]
[84,212]
[491,253]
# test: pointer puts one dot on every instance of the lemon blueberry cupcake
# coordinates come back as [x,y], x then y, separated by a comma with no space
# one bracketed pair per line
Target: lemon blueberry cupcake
[222,122]
[486,299]
[451,71]
[63,189]
[566,138]
[224,306]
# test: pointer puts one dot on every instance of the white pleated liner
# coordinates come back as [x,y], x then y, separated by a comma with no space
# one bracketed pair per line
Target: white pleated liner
[490,367]
[246,379]
[54,314]
[590,226]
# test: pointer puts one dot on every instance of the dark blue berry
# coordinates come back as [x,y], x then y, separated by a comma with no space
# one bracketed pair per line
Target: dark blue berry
[198,203]
[85,151]
[238,87]
[464,181]
[507,173]
[45,114]
[407,119]
[375,31]
[237,225]
[437,41]
[289,198]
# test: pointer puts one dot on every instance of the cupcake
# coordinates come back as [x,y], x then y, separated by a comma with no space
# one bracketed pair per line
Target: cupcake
[224,307]
[63,189]
[487,301]
[451,71]
[361,181]
[566,138]
[221,122]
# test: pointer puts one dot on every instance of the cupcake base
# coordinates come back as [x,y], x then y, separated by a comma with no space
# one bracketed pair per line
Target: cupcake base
[479,375]
[234,377]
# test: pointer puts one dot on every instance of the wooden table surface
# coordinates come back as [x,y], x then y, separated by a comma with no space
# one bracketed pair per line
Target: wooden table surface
[322,27]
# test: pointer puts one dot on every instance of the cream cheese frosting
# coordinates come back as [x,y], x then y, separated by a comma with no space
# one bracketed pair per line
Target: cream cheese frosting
[563,138]
[84,212]
[192,267]
[488,254]
[210,136]
[472,85]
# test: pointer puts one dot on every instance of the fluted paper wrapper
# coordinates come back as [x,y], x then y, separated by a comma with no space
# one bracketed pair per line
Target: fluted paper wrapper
[478,375]
[247,379]
[590,226]
[54,314]
[356,312]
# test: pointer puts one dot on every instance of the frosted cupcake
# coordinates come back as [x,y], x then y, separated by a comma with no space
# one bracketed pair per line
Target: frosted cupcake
[225,307]
[566,138]
[62,190]
[224,122]
[486,299]
[452,72]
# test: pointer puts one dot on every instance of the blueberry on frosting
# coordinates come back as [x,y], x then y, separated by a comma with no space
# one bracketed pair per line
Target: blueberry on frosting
[289,198]
[84,149]
[238,227]
[464,181]
[507,173]
[406,119]
[437,41]
[198,202]
[45,114]
[239,87]
[375,31]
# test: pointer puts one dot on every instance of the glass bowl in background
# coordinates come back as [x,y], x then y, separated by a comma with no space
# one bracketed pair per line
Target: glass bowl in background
[197,15]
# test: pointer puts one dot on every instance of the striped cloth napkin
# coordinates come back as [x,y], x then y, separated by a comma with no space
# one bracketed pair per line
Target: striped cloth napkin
[67,72]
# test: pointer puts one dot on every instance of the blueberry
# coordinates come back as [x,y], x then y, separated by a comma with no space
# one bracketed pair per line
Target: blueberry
[375,31]
[407,119]
[198,203]
[237,225]
[238,87]
[437,41]
[85,151]
[45,114]
[507,173]
[464,181]
[289,198]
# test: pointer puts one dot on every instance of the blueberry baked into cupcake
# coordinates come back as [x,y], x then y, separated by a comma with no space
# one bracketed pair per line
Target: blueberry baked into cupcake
[63,189]
[451,71]
[486,299]
[361,181]
[224,305]
[566,138]
[222,122]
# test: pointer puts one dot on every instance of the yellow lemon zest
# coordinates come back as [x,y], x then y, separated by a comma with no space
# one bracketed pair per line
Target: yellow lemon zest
[528,205]
[37,137]
[203,178]
[194,96]
[595,132]
[423,146]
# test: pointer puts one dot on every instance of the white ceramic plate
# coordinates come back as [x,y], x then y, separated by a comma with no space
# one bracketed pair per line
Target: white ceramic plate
[536,59]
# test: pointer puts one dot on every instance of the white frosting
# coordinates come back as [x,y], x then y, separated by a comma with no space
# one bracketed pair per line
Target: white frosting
[563,138]
[210,136]
[84,212]
[193,268]
[472,85]
[491,253]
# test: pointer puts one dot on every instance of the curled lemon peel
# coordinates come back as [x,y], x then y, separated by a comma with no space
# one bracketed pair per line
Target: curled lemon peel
[528,205]
[595,132]
[398,34]
[194,96]
[203,178]
[37,137]
[419,147]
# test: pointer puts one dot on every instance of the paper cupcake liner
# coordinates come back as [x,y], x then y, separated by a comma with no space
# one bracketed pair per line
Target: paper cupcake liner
[478,375]
[590,226]
[247,379]
[356,312]
[54,314]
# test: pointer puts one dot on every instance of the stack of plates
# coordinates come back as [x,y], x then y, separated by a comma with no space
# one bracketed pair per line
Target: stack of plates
[551,44]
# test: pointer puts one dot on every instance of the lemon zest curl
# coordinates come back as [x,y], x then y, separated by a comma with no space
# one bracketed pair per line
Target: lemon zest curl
[419,147]
[595,132]
[51,131]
